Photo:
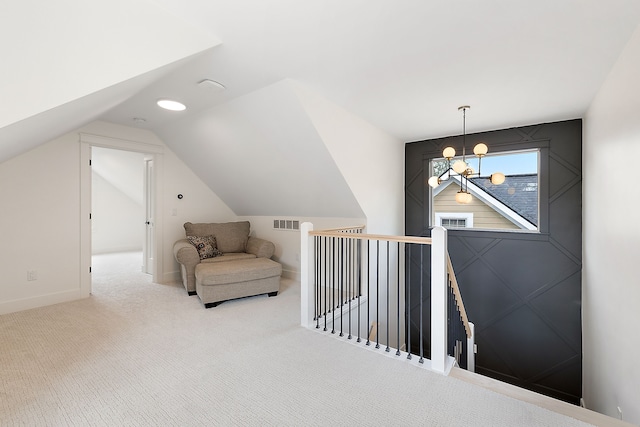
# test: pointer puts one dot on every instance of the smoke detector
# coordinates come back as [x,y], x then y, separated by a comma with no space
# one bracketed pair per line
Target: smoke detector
[211,84]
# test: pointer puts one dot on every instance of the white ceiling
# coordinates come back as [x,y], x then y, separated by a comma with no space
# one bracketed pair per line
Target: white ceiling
[405,65]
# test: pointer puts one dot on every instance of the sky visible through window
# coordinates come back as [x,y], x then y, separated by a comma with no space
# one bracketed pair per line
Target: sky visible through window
[509,164]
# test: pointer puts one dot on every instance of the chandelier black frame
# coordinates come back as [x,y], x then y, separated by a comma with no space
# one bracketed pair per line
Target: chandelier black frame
[461,168]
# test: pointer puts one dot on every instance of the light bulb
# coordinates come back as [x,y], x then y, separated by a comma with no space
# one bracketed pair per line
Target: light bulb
[449,153]
[459,166]
[497,178]
[434,181]
[480,149]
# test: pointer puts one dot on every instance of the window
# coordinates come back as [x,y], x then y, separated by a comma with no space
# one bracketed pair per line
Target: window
[512,205]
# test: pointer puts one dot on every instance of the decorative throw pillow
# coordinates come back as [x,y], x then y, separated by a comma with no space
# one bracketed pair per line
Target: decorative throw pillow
[206,246]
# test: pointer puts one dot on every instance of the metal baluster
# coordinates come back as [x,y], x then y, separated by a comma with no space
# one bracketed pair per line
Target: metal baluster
[359,280]
[359,248]
[326,271]
[349,278]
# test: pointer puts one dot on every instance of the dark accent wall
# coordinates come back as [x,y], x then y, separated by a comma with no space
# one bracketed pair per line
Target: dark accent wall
[522,290]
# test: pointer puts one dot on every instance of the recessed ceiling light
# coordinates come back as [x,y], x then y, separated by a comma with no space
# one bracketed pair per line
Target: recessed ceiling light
[169,104]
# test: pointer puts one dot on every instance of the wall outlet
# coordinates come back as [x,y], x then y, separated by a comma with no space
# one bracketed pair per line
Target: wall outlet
[32,275]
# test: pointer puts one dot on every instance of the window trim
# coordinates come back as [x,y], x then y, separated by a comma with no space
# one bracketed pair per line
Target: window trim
[541,146]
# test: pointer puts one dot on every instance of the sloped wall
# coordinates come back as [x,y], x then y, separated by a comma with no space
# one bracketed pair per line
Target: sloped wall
[117,221]
[261,154]
[84,47]
[370,160]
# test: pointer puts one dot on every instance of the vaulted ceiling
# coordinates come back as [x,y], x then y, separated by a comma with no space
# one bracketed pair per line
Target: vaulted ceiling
[404,66]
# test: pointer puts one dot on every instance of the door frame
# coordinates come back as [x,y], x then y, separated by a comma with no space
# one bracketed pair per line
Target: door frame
[155,152]
[148,259]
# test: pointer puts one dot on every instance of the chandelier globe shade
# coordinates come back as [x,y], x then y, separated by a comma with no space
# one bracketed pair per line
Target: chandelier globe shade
[449,153]
[480,149]
[497,178]
[459,166]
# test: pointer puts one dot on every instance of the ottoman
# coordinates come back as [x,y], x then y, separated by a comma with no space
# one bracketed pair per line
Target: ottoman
[221,281]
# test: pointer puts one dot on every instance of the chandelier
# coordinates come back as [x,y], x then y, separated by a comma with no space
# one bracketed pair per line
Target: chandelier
[461,168]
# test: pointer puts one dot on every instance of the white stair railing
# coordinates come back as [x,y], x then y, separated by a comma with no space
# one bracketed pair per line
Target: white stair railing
[377,271]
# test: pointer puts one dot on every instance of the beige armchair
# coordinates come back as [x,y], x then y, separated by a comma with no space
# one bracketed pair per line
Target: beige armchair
[231,239]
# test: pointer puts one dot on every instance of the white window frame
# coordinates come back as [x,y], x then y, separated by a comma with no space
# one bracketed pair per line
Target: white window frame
[467,216]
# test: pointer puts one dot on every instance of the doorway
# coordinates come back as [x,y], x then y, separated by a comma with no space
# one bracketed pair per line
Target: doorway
[139,223]
[120,205]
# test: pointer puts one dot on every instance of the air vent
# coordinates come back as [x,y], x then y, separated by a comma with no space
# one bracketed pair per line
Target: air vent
[286,224]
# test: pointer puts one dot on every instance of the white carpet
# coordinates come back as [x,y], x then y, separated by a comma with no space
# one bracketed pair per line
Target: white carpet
[142,354]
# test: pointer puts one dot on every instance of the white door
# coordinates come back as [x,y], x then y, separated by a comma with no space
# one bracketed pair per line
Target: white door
[149,200]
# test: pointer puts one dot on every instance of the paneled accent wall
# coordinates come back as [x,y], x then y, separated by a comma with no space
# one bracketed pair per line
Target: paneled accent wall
[522,290]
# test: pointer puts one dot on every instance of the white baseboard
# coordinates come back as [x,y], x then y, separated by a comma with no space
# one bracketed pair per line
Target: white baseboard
[39,301]
[291,274]
[172,277]
[116,249]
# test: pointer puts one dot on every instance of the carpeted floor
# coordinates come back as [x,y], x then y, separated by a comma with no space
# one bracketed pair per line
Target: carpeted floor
[142,354]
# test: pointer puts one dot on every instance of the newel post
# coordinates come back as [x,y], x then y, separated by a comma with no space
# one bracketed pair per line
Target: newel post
[439,288]
[306,275]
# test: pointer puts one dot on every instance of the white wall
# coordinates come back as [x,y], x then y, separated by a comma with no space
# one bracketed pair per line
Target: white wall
[611,283]
[40,214]
[287,242]
[371,161]
[117,221]
[198,204]
[262,154]
[39,228]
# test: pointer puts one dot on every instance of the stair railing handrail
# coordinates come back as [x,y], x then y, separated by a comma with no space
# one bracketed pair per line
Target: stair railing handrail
[362,236]
[453,282]
[339,229]
[442,277]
